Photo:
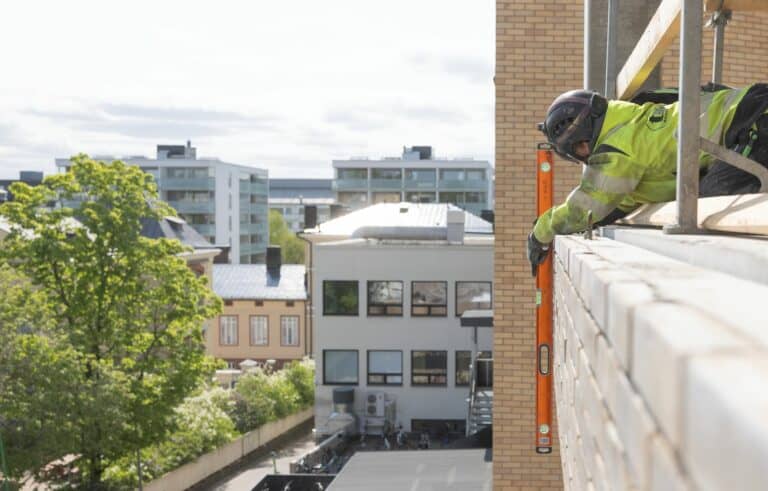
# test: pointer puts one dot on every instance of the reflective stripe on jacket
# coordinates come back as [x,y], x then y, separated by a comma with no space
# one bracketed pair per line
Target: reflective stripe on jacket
[634,161]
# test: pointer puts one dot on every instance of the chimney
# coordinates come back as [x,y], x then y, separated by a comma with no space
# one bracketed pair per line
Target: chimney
[310,216]
[489,216]
[274,261]
[455,225]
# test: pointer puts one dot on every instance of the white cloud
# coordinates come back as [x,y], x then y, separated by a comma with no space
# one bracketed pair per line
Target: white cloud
[285,85]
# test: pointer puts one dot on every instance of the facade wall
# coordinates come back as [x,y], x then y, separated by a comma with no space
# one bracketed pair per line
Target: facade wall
[660,371]
[273,309]
[404,263]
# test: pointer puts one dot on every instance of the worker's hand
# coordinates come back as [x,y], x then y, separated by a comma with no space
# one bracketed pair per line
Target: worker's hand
[537,252]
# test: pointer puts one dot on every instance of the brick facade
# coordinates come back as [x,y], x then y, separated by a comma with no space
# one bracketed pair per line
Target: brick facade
[538,56]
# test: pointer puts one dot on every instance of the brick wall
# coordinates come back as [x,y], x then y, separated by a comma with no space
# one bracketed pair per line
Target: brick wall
[659,385]
[538,56]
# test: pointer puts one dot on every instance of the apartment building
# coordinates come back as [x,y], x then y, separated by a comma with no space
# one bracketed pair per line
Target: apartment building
[226,203]
[264,312]
[289,197]
[415,177]
[389,283]
[30,177]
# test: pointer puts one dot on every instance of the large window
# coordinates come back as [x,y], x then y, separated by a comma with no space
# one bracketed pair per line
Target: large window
[392,174]
[474,197]
[426,176]
[385,298]
[353,173]
[452,174]
[385,198]
[429,298]
[463,360]
[429,367]
[420,197]
[259,330]
[195,196]
[340,298]
[451,197]
[352,198]
[340,367]
[473,295]
[228,330]
[289,330]
[475,175]
[385,367]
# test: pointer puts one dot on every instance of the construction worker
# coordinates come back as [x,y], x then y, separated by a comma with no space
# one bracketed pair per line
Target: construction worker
[629,152]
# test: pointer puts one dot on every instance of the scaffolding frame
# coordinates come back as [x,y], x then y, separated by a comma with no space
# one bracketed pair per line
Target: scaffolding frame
[684,18]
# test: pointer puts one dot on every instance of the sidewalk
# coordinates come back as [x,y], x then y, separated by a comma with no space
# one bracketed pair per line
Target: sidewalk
[249,474]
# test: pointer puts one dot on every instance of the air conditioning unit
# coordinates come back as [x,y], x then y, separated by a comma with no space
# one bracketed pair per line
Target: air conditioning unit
[374,404]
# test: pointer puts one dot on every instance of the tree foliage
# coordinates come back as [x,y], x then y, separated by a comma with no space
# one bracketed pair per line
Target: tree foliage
[292,248]
[126,309]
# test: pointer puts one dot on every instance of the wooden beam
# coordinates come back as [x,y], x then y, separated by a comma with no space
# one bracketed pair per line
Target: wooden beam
[736,5]
[740,214]
[662,30]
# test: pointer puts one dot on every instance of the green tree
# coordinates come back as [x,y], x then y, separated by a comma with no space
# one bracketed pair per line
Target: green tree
[127,306]
[292,248]
[301,373]
[37,385]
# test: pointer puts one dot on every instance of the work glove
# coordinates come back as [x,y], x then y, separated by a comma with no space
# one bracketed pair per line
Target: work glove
[537,252]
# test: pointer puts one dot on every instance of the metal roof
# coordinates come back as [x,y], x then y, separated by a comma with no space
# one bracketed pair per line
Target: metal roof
[459,470]
[424,219]
[251,281]
[174,228]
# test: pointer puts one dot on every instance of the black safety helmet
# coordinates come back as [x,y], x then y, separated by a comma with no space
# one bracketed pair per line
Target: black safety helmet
[574,117]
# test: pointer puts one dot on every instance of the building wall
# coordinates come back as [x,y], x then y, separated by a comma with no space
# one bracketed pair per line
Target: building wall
[243,350]
[404,263]
[657,387]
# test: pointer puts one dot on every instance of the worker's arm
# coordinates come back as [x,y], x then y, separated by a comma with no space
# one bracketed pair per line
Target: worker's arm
[607,180]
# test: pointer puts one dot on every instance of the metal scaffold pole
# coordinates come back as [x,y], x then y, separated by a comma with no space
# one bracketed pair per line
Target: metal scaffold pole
[688,124]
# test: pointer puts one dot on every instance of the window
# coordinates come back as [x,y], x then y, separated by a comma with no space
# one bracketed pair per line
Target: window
[429,298]
[385,367]
[420,197]
[385,298]
[259,330]
[473,295]
[452,174]
[194,196]
[289,330]
[463,360]
[426,176]
[429,367]
[451,197]
[353,173]
[393,174]
[340,367]
[228,330]
[352,199]
[475,175]
[340,298]
[385,198]
[474,197]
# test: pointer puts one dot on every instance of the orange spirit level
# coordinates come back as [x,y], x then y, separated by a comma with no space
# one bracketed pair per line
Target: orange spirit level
[544,201]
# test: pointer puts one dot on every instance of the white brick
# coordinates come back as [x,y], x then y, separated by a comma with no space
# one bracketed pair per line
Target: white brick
[623,298]
[587,331]
[666,474]
[596,414]
[607,368]
[615,459]
[600,478]
[665,336]
[590,265]
[726,422]
[600,279]
[635,427]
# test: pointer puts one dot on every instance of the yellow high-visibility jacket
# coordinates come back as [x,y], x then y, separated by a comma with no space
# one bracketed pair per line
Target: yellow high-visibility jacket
[634,161]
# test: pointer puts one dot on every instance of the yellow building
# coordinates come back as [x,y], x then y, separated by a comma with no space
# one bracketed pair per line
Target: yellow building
[264,313]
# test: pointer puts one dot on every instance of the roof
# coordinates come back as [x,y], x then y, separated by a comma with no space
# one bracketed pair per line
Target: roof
[459,470]
[174,228]
[400,220]
[251,281]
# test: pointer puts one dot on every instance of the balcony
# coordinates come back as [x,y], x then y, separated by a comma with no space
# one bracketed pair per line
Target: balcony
[386,184]
[350,185]
[193,206]
[191,184]
[411,185]
[462,185]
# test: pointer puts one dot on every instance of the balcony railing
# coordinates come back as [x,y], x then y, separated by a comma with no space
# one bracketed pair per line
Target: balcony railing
[350,184]
[193,206]
[459,185]
[416,185]
[192,184]
[386,184]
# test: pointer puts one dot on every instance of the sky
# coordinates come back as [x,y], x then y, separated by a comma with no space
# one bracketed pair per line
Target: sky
[286,85]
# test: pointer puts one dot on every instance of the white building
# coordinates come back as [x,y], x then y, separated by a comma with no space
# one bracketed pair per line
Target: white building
[226,203]
[388,284]
[416,177]
[289,197]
